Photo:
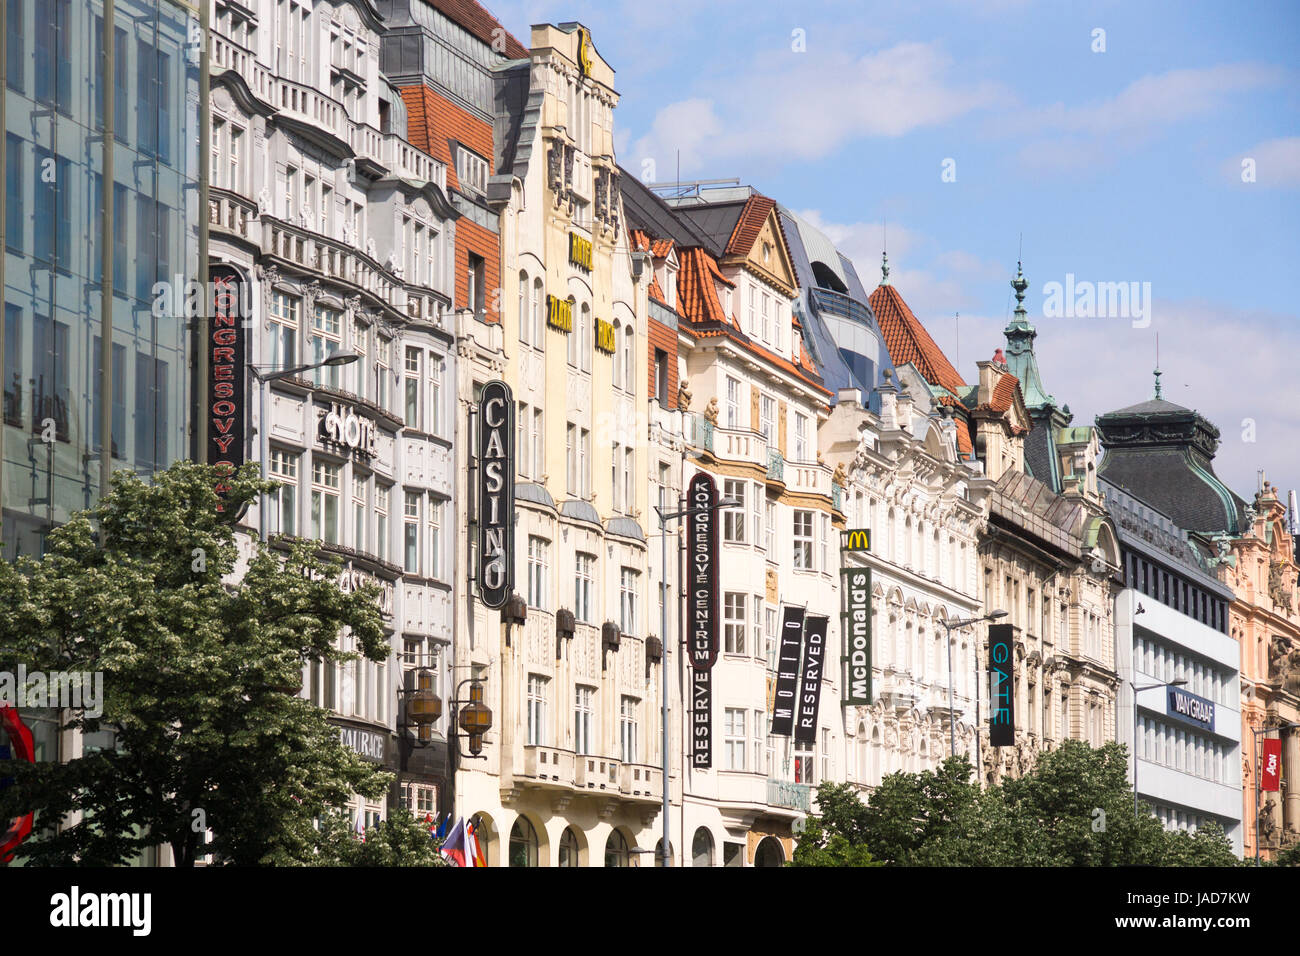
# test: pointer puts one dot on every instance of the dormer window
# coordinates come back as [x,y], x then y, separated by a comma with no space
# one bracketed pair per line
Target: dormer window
[471,170]
[767,253]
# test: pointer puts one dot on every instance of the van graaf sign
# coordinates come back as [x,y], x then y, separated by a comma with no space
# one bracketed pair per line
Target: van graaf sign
[1002,696]
[496,494]
[857,622]
[227,383]
[342,426]
[1189,708]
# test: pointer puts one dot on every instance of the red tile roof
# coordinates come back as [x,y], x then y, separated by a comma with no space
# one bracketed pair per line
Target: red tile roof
[476,19]
[696,289]
[640,241]
[908,341]
[749,225]
[1004,393]
[964,444]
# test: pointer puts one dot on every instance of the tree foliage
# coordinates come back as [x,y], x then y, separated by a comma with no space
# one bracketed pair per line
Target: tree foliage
[202,650]
[400,840]
[1075,808]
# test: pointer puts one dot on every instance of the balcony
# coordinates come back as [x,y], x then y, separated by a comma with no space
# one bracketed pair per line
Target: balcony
[795,796]
[596,773]
[549,766]
[641,782]
[809,479]
[230,212]
[837,303]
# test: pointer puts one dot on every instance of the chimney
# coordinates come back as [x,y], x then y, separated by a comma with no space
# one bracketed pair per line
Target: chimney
[888,400]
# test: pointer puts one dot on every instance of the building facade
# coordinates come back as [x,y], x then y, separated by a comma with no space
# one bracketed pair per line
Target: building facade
[344,236]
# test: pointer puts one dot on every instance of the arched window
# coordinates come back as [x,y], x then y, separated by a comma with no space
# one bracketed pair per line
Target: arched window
[616,850]
[864,766]
[568,847]
[875,756]
[659,852]
[629,372]
[571,336]
[702,848]
[525,317]
[585,341]
[618,365]
[769,852]
[523,844]
[539,323]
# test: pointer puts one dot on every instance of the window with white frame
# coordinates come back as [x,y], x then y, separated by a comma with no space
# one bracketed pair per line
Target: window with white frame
[756,623]
[537,304]
[284,331]
[326,337]
[629,470]
[756,728]
[629,585]
[756,513]
[627,729]
[360,335]
[435,537]
[770,638]
[325,481]
[525,317]
[535,708]
[733,403]
[800,437]
[539,562]
[584,588]
[803,763]
[435,394]
[616,458]
[803,540]
[733,622]
[358,512]
[826,754]
[521,439]
[411,532]
[584,720]
[629,365]
[751,314]
[767,317]
[539,445]
[734,739]
[823,540]
[383,370]
[770,508]
[471,170]
[767,416]
[584,337]
[383,496]
[283,502]
[584,462]
[733,519]
[414,359]
[572,342]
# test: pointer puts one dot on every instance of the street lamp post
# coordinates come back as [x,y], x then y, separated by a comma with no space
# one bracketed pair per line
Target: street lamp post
[952,719]
[1255,735]
[264,376]
[1136,691]
[664,518]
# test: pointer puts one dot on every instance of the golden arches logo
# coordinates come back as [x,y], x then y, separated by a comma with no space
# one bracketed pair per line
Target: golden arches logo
[857,539]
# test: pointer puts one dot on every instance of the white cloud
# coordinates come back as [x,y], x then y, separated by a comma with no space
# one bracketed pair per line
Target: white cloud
[1277,162]
[800,107]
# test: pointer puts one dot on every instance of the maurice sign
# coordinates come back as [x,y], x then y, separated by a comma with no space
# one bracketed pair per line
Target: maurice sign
[496,493]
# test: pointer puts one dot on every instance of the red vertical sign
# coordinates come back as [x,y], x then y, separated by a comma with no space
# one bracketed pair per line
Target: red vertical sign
[1270,777]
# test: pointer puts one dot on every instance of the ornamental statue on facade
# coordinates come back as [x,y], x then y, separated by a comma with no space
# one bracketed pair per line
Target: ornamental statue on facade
[684,395]
[711,411]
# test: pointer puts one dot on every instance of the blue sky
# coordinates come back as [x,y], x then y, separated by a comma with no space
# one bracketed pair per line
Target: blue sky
[1116,166]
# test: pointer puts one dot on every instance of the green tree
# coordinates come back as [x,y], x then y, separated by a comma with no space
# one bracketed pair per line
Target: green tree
[200,664]
[834,837]
[400,840]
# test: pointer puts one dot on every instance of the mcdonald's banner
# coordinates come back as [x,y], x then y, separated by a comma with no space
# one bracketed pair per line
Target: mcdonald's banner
[1002,685]
[1270,777]
[855,539]
[856,585]
[810,686]
[787,671]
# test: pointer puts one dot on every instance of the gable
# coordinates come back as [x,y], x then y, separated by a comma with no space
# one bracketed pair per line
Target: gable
[769,257]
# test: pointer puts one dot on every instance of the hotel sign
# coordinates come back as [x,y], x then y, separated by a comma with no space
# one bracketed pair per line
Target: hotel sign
[702,558]
[810,687]
[342,426]
[857,619]
[580,252]
[604,336]
[496,494]
[787,671]
[1189,708]
[559,313]
[228,375]
[1002,694]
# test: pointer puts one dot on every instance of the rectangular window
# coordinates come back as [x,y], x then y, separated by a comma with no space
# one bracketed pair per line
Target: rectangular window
[826,754]
[733,519]
[734,738]
[284,331]
[629,469]
[733,622]
[358,513]
[50,398]
[584,462]
[628,587]
[13,380]
[474,277]
[571,457]
[771,638]
[539,444]
[14,218]
[536,710]
[411,532]
[326,480]
[756,624]
[382,498]
[767,317]
[435,394]
[803,540]
[283,502]
[627,729]
[733,403]
[661,377]
[539,562]
[584,588]
[756,728]
[770,508]
[800,437]
[767,417]
[435,538]
[583,720]
[413,360]
[383,370]
[803,763]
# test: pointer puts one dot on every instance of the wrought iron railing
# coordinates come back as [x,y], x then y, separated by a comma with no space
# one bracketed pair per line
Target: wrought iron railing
[782,793]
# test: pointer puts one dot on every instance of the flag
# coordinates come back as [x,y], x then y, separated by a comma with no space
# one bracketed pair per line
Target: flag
[360,827]
[455,848]
[1271,765]
[442,826]
[476,851]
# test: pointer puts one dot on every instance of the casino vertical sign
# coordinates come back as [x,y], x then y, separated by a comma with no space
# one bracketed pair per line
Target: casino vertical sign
[228,381]
[496,494]
[702,609]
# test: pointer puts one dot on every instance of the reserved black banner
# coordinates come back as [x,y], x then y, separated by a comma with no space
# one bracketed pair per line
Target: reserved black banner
[810,687]
[701,718]
[787,671]
[1002,685]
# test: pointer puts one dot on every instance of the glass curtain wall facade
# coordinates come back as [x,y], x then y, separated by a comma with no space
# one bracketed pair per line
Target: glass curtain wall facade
[54,204]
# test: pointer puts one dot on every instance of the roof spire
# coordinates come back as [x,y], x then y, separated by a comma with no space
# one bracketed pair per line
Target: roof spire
[884,268]
[1158,365]
[1158,373]
[1020,284]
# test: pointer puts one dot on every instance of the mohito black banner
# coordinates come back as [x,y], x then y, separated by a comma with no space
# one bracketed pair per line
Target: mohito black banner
[228,376]
[787,671]
[1002,685]
[701,717]
[496,494]
[702,561]
[810,687]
